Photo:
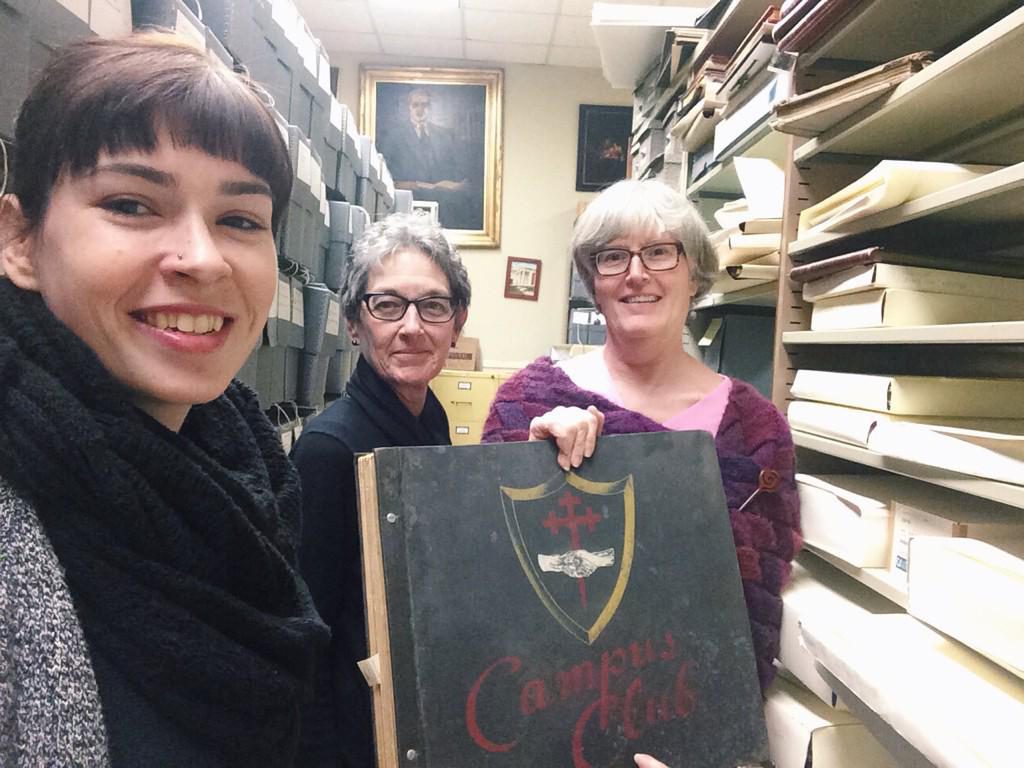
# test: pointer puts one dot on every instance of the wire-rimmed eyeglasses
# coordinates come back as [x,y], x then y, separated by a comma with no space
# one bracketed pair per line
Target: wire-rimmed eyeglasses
[391,307]
[656,257]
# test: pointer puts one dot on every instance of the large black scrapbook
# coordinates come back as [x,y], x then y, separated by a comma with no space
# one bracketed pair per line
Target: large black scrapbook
[536,617]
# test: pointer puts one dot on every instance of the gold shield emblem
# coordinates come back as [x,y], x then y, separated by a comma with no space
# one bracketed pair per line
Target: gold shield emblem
[574,539]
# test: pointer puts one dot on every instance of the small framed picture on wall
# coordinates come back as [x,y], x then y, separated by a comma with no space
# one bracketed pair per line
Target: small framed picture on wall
[522,279]
[427,208]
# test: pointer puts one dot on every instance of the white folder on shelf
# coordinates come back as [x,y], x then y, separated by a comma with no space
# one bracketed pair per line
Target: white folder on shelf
[817,589]
[972,591]
[849,516]
[955,707]
[802,729]
[888,184]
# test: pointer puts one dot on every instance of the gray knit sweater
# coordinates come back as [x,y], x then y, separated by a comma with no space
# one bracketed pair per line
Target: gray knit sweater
[50,713]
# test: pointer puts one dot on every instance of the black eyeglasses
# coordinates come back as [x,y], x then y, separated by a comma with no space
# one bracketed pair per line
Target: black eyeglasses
[391,307]
[656,257]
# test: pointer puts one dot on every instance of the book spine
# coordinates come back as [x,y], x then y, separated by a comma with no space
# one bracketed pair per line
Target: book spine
[814,270]
[848,425]
[852,389]
[894,307]
[943,281]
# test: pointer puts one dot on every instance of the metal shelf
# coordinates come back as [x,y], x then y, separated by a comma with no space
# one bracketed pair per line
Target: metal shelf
[722,179]
[760,295]
[993,200]
[1004,493]
[868,32]
[982,80]
[879,580]
[1011,332]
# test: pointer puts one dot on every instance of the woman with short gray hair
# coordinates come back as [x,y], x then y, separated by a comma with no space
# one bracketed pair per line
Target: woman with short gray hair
[644,206]
[405,299]
[388,236]
[644,255]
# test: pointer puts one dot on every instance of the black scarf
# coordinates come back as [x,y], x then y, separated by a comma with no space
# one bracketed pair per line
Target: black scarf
[391,416]
[178,548]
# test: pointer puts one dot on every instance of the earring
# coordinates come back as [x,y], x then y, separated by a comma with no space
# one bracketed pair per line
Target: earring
[355,342]
[454,342]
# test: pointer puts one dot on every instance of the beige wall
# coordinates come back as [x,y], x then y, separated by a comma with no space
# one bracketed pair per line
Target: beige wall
[538,202]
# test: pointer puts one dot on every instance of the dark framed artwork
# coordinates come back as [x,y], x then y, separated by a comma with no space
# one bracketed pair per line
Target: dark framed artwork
[602,150]
[522,279]
[440,132]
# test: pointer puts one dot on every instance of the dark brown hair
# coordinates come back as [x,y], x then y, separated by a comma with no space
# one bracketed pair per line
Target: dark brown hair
[114,95]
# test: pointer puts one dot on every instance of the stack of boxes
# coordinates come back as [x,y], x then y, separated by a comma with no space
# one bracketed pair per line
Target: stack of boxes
[30,29]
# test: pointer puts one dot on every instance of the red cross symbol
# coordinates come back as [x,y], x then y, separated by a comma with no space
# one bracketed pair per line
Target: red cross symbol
[572,522]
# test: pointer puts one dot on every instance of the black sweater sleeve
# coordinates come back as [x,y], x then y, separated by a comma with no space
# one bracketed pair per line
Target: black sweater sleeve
[337,726]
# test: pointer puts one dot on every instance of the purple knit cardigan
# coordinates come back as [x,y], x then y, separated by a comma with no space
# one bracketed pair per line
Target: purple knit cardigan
[753,436]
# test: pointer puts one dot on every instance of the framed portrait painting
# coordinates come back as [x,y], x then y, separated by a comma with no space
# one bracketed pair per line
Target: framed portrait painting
[602,149]
[522,279]
[440,132]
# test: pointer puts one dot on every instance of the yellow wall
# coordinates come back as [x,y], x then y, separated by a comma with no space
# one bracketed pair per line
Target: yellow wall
[538,202]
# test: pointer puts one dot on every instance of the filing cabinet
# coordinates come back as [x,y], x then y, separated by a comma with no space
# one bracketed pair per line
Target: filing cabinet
[466,397]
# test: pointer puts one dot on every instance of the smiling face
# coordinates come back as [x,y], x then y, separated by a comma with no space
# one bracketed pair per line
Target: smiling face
[640,303]
[164,264]
[406,353]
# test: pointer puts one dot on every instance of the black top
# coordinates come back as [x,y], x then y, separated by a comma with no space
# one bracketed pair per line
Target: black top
[337,727]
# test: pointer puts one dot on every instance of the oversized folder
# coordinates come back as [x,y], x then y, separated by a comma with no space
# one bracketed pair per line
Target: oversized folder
[521,615]
[888,184]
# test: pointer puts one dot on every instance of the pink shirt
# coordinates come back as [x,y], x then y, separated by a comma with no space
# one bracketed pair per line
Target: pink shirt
[589,372]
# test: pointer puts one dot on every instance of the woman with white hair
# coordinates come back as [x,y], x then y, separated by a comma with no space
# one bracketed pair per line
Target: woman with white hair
[644,255]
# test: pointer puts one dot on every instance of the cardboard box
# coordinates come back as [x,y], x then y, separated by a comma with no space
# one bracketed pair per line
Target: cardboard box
[465,355]
[847,516]
[991,523]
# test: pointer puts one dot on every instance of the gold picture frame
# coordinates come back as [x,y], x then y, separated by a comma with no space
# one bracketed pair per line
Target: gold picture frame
[440,131]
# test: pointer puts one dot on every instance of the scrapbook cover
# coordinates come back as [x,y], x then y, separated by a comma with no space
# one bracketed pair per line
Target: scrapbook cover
[521,615]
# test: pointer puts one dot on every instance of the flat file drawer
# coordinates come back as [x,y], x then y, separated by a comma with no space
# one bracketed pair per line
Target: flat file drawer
[464,385]
[466,397]
[465,432]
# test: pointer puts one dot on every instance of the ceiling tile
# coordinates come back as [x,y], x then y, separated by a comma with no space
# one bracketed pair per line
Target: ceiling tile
[416,45]
[506,52]
[573,31]
[418,22]
[348,42]
[524,6]
[574,57]
[577,7]
[504,27]
[345,15]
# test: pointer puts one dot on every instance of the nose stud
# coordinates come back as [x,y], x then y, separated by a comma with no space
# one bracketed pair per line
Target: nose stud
[181,256]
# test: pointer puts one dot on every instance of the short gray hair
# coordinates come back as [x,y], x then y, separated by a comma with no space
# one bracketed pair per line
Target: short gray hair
[394,233]
[643,206]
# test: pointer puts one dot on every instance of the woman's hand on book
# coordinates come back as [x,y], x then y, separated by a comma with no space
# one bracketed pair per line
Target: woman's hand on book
[574,431]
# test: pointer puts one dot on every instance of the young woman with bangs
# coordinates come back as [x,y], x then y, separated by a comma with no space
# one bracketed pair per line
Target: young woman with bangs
[150,611]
